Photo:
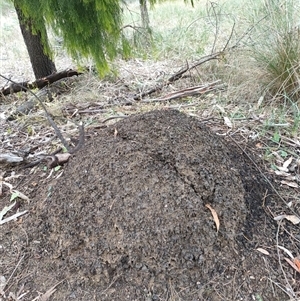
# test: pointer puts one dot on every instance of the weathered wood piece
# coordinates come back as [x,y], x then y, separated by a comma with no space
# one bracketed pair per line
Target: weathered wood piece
[37,84]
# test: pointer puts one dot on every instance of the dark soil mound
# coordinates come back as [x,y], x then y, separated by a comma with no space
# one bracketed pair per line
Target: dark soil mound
[128,221]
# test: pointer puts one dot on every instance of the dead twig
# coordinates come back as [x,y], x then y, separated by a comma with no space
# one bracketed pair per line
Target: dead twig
[288,290]
[8,219]
[14,270]
[212,9]
[189,92]
[53,124]
[179,74]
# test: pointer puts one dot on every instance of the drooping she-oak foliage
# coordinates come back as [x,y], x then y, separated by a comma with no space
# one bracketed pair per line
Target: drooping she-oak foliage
[89,28]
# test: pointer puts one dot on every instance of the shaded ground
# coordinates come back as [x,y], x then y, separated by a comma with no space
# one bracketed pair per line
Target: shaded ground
[127,220]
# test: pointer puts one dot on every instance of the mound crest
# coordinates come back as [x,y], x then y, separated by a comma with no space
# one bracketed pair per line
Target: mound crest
[129,222]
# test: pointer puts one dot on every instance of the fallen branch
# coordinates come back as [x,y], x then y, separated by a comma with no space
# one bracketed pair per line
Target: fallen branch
[189,92]
[179,74]
[39,83]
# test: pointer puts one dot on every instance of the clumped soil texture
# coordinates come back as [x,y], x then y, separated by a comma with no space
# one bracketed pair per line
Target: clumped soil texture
[128,221]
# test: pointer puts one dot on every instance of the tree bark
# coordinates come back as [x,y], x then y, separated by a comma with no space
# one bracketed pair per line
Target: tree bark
[42,64]
[144,14]
[146,31]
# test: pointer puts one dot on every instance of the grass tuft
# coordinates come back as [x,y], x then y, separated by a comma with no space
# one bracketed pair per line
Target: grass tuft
[277,47]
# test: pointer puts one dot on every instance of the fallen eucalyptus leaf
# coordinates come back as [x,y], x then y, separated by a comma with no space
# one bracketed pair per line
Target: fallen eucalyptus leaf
[5,210]
[291,184]
[215,216]
[288,252]
[263,251]
[287,162]
[292,264]
[282,169]
[20,195]
[228,122]
[3,283]
[282,173]
[292,218]
[8,219]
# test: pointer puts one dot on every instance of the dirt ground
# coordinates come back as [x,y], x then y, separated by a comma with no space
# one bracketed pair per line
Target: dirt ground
[127,220]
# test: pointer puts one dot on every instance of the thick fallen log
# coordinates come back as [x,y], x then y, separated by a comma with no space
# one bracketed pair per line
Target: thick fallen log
[39,83]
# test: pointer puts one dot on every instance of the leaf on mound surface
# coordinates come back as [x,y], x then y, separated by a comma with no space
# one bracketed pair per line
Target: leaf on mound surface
[215,216]
[263,251]
[291,184]
[294,264]
[5,210]
[292,218]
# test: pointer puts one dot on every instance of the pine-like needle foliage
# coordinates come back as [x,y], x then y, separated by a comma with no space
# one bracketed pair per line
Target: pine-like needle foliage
[89,28]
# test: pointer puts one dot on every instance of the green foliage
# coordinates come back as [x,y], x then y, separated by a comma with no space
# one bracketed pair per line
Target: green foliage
[277,47]
[13,196]
[89,28]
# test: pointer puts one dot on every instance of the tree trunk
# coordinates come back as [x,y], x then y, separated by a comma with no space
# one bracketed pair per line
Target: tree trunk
[144,14]
[146,32]
[42,64]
